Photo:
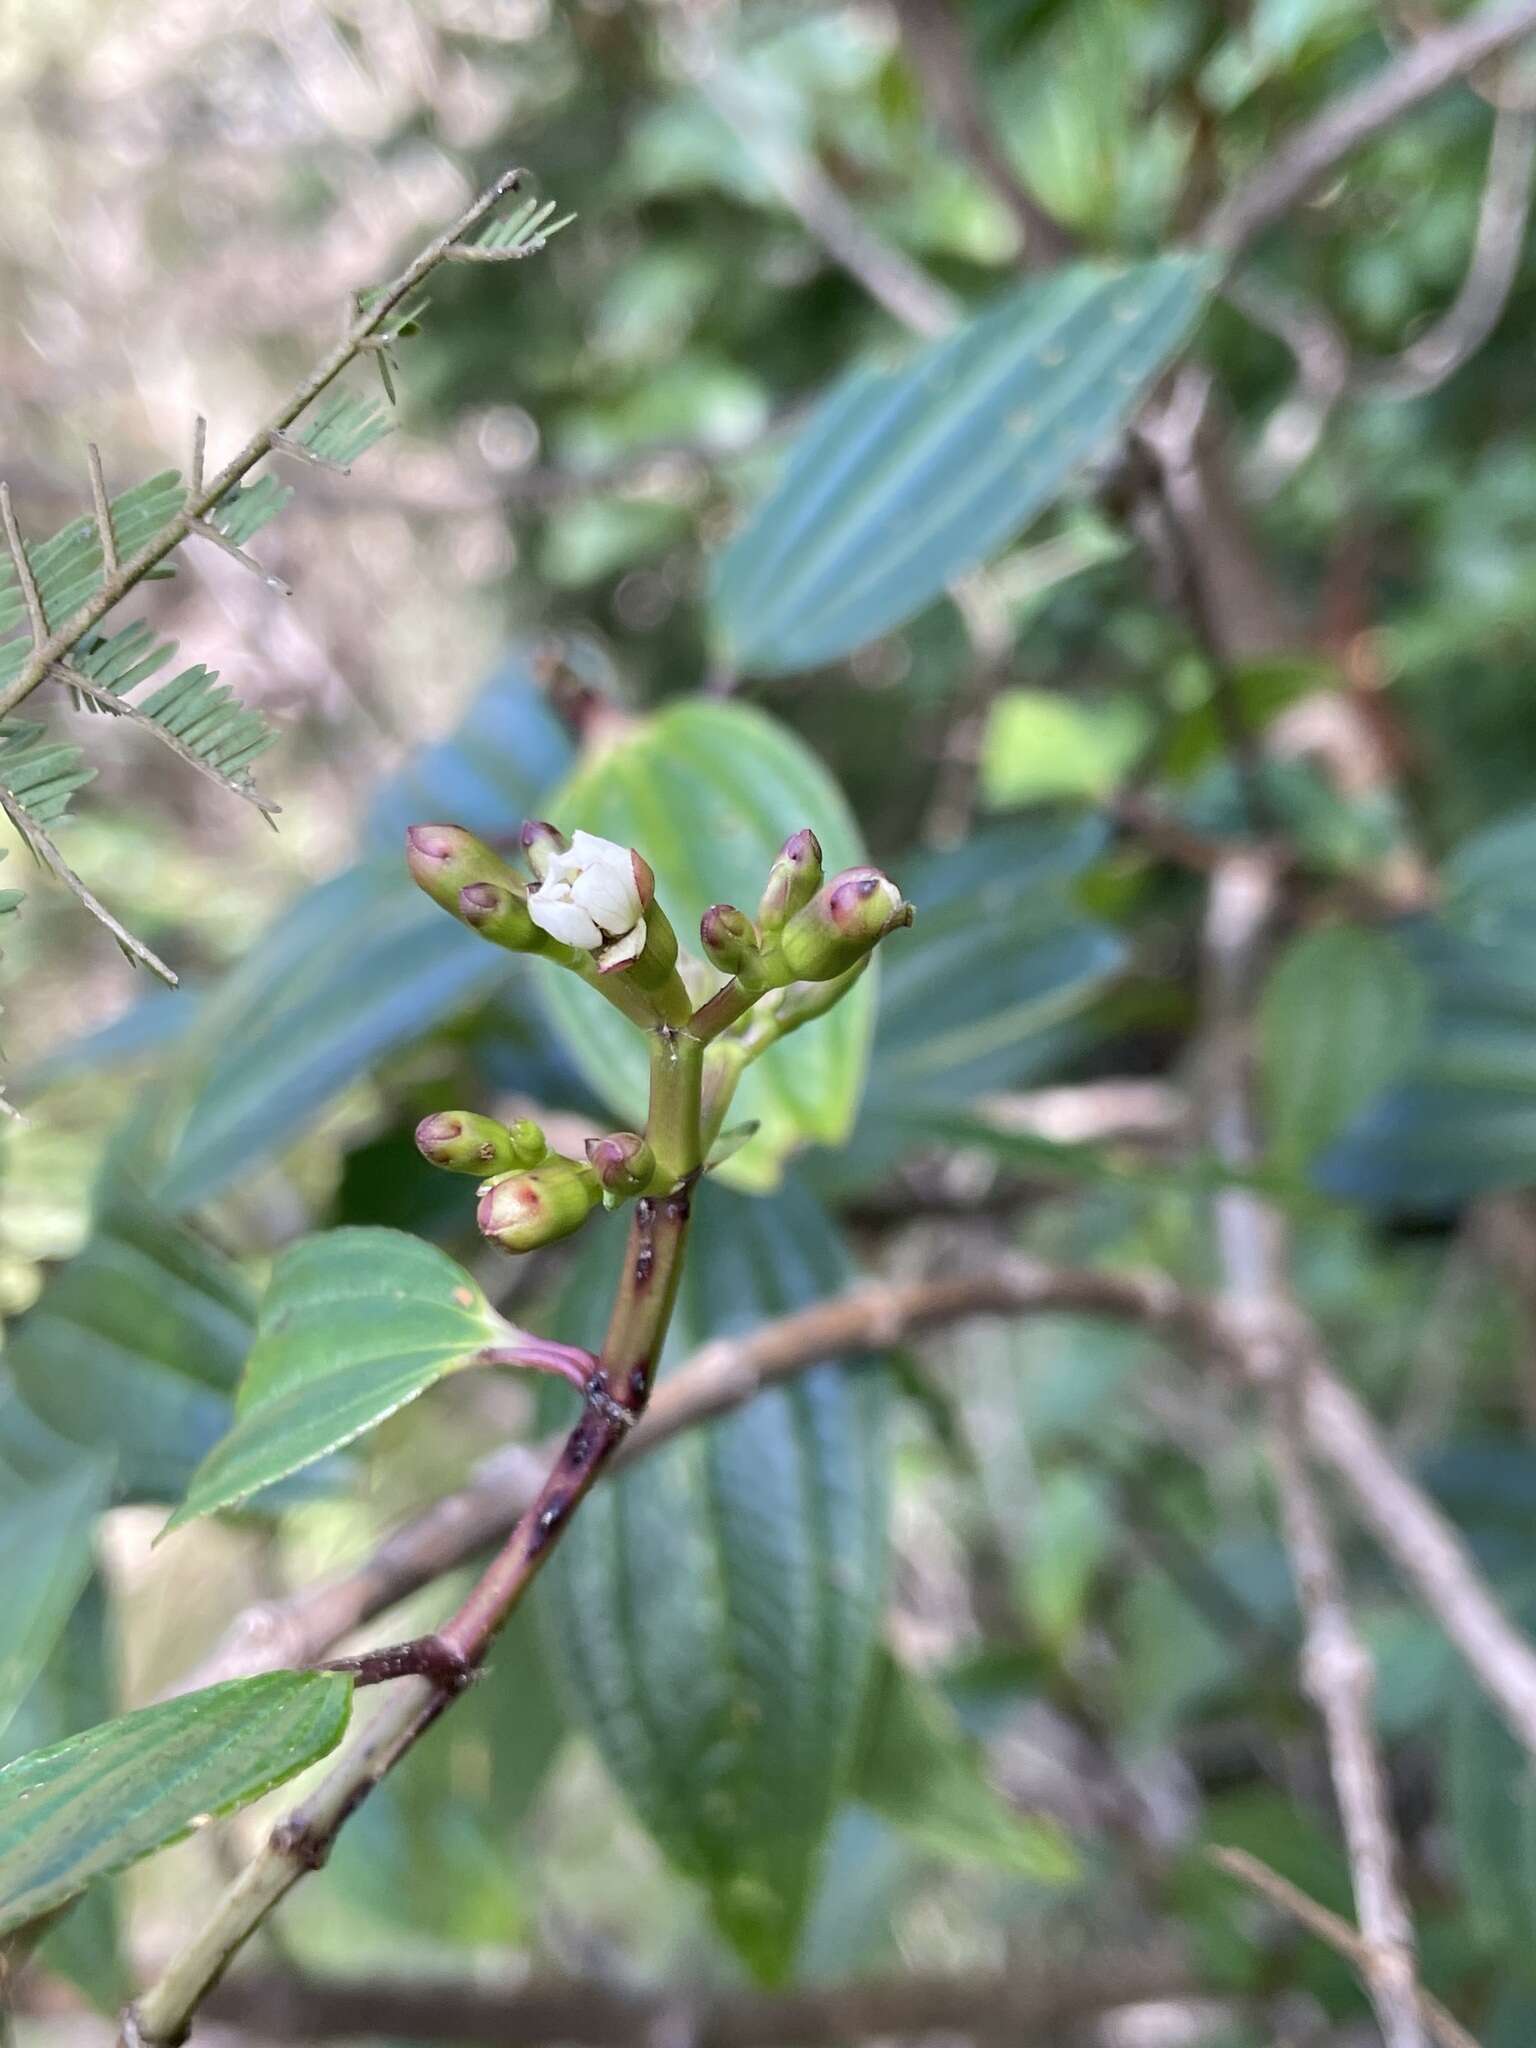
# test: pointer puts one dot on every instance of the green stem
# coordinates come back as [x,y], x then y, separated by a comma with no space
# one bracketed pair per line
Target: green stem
[673,1129]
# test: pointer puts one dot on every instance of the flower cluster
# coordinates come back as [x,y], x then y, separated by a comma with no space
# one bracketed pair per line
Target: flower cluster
[589,905]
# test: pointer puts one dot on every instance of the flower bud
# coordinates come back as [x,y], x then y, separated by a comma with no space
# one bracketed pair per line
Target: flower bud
[525,1210]
[445,859]
[841,923]
[501,915]
[793,880]
[462,1142]
[540,842]
[729,937]
[624,1164]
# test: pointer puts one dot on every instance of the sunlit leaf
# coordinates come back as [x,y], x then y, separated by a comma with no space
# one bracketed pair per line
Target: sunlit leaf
[906,478]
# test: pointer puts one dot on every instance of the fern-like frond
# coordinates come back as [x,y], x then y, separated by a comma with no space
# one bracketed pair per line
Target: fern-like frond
[343,428]
[39,772]
[523,232]
[247,508]
[67,568]
[200,719]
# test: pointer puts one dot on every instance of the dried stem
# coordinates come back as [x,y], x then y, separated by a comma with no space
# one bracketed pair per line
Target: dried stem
[1251,1246]
[49,649]
[101,505]
[1040,1998]
[43,849]
[1301,163]
[24,577]
[1343,1939]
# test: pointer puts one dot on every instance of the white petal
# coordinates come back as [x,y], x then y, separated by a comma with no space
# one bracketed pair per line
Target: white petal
[622,951]
[609,895]
[589,849]
[563,868]
[565,921]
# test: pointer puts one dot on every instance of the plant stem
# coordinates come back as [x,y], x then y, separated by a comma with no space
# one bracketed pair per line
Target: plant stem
[673,1128]
[616,1398]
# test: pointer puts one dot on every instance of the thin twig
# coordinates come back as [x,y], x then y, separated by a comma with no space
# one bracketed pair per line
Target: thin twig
[115,586]
[1326,370]
[443,1663]
[1305,159]
[101,505]
[288,444]
[204,529]
[1498,244]
[1042,1998]
[727,1373]
[36,617]
[892,280]
[939,53]
[1252,1248]
[1343,1939]
[44,850]
[199,457]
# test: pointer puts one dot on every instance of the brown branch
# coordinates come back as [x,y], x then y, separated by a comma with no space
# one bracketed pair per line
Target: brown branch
[1503,214]
[938,52]
[1305,159]
[892,279]
[1343,1939]
[1042,1999]
[1426,1549]
[1253,1252]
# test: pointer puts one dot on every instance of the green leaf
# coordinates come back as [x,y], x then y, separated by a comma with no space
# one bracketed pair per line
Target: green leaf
[136,1345]
[920,1770]
[344,428]
[46,1530]
[75,1690]
[40,774]
[715,1609]
[907,478]
[1040,744]
[90,1806]
[708,793]
[1341,1018]
[355,1324]
[67,567]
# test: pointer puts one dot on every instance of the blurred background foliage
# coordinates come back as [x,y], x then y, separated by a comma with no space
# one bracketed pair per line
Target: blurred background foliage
[1086,1622]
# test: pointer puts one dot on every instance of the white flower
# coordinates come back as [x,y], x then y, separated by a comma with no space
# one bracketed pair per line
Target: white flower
[589,898]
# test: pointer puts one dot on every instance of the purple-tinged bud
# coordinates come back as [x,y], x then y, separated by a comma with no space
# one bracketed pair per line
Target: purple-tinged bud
[645,878]
[729,937]
[444,860]
[500,913]
[540,842]
[841,923]
[526,1210]
[624,1164]
[793,880]
[462,1142]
